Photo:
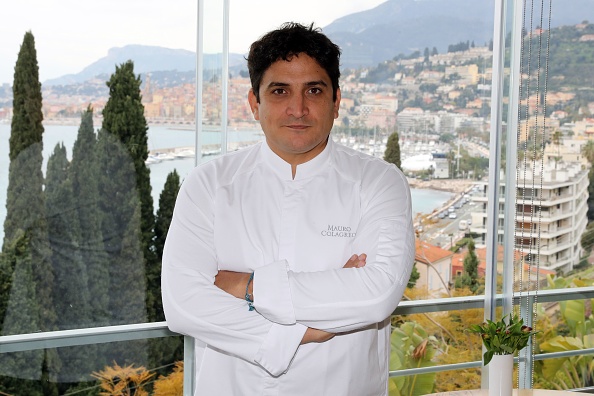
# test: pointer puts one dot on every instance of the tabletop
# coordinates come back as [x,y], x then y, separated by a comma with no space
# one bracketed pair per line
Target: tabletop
[516,392]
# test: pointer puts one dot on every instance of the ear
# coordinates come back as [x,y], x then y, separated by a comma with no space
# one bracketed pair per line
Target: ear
[337,103]
[254,105]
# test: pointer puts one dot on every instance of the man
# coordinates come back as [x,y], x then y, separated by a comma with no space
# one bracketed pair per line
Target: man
[286,259]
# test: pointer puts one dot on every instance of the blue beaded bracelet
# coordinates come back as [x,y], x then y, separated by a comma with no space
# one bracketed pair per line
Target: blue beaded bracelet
[248,296]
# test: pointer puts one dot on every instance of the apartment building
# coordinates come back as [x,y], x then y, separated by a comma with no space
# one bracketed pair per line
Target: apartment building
[551,214]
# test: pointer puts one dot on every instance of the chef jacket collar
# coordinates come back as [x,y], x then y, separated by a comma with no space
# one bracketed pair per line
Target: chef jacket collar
[304,171]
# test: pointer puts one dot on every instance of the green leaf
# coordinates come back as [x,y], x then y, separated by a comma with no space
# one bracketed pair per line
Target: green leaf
[487,357]
[574,312]
[550,367]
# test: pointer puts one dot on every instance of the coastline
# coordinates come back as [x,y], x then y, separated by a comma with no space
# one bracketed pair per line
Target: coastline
[458,186]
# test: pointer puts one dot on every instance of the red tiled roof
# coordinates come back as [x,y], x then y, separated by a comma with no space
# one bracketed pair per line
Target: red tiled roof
[427,253]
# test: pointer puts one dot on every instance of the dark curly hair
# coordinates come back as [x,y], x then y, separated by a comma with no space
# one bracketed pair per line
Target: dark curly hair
[289,40]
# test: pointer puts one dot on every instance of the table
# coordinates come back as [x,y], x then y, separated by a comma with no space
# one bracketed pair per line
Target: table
[517,392]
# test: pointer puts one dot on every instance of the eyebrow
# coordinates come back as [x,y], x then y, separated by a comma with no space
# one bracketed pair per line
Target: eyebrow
[274,84]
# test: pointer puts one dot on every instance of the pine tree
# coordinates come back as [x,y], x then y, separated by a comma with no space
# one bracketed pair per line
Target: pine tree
[392,154]
[25,264]
[84,173]
[123,117]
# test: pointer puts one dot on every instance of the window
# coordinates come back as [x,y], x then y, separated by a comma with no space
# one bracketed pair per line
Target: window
[442,101]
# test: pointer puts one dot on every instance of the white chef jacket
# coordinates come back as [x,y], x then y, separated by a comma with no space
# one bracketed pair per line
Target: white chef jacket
[244,212]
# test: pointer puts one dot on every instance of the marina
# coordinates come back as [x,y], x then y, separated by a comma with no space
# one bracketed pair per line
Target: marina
[176,148]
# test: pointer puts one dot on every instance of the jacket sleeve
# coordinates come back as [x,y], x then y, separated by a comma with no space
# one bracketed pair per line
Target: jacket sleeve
[194,306]
[349,299]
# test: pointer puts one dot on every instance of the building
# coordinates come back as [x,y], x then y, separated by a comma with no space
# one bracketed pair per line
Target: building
[442,166]
[551,214]
[434,265]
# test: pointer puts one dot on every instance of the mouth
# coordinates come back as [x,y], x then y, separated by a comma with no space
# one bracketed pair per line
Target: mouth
[297,126]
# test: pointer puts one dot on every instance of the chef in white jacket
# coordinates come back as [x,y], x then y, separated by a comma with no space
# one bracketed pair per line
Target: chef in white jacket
[285,260]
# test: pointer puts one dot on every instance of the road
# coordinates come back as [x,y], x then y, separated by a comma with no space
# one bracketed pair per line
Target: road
[445,232]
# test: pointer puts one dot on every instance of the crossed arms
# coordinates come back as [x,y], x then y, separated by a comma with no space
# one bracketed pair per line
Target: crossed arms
[238,284]
[288,303]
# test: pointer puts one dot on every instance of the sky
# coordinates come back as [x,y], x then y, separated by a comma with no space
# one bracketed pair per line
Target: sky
[71,34]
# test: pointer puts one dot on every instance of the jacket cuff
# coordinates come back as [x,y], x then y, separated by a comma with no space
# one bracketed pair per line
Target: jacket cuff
[279,348]
[272,293]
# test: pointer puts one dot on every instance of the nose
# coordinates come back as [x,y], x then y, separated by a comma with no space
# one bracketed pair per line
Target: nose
[297,106]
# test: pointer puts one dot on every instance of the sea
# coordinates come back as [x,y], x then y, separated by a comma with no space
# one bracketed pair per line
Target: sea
[163,137]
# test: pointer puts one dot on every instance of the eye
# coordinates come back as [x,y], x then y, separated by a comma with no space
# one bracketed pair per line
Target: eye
[279,91]
[314,91]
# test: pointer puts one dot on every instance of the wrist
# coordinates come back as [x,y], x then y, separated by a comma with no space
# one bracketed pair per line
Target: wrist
[249,292]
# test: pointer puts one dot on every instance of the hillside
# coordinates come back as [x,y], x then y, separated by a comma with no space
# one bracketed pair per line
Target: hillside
[571,57]
[404,26]
[366,38]
[146,59]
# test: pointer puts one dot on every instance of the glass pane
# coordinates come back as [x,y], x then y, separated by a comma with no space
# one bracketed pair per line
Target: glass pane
[564,326]
[553,216]
[436,98]
[80,194]
[149,365]
[434,339]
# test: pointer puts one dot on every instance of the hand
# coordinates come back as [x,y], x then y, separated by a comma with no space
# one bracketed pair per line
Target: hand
[315,335]
[233,283]
[356,261]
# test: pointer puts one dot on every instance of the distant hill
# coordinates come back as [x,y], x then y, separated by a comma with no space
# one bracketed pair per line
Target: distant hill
[366,38]
[403,26]
[146,59]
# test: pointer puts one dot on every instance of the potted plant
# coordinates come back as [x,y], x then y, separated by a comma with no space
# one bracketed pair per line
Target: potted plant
[502,339]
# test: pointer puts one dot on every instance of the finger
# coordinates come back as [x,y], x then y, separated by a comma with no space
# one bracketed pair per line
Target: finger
[352,262]
[362,260]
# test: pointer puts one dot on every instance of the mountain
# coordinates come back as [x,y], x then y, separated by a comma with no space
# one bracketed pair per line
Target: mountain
[146,59]
[366,38]
[404,26]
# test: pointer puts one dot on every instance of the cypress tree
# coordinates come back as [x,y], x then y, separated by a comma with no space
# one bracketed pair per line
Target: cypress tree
[84,173]
[71,292]
[123,117]
[120,207]
[414,277]
[392,154]
[163,220]
[70,286]
[590,213]
[25,264]
[470,276]
[165,211]
[170,349]
[471,262]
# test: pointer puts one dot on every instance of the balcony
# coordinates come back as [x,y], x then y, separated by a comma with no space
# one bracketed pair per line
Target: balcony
[130,333]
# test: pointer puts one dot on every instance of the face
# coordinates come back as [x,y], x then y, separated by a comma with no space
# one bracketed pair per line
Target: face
[296,109]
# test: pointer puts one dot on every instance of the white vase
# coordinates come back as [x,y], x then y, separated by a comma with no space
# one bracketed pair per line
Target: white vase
[501,369]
